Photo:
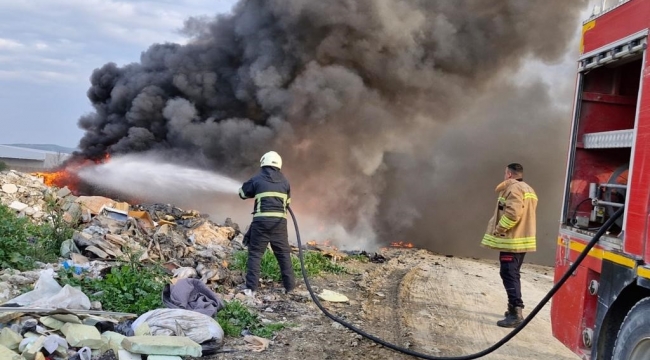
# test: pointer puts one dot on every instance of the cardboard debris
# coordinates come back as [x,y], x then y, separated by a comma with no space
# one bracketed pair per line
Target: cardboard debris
[143,218]
[206,234]
[162,345]
[94,204]
[332,296]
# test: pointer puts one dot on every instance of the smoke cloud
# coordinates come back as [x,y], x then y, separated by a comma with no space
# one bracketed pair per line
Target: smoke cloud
[395,119]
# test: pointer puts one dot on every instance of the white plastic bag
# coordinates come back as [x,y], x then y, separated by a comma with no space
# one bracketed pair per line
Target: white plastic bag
[196,326]
[45,287]
[48,294]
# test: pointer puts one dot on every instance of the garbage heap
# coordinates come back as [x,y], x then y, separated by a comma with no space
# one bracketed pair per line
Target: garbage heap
[55,322]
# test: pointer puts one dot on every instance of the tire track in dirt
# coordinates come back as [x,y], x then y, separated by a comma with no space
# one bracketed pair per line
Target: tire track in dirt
[451,305]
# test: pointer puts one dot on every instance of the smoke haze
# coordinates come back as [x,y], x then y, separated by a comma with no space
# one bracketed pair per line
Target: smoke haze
[395,119]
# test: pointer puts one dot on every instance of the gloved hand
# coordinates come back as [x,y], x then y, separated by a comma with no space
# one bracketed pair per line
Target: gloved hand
[499,232]
[247,238]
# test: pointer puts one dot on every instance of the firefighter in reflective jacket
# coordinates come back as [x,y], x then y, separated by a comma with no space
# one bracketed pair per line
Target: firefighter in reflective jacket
[512,231]
[271,192]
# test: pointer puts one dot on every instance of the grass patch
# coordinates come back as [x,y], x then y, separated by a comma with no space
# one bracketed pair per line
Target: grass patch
[133,287]
[23,243]
[236,317]
[3,166]
[315,264]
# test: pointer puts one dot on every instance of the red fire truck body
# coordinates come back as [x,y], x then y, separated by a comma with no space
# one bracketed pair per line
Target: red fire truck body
[603,311]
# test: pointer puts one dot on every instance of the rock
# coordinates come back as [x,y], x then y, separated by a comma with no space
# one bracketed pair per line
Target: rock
[20,280]
[63,192]
[112,341]
[96,305]
[67,318]
[51,323]
[162,345]
[30,211]
[10,339]
[109,355]
[9,188]
[7,354]
[37,215]
[79,335]
[18,206]
[163,357]
[332,296]
[33,349]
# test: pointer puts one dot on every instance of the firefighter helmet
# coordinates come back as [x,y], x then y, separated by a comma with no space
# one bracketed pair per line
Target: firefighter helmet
[271,158]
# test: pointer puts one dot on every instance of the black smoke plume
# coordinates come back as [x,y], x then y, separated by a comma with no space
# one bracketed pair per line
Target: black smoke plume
[360,98]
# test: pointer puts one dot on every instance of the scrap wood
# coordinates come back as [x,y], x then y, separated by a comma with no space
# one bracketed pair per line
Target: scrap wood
[43,311]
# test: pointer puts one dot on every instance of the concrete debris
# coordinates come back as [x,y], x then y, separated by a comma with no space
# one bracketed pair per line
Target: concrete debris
[332,296]
[79,335]
[162,345]
[8,354]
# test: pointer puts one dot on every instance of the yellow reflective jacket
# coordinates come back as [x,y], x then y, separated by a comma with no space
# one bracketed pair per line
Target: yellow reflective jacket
[513,226]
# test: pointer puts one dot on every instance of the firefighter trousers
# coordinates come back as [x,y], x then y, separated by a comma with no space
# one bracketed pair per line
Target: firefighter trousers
[511,276]
[259,235]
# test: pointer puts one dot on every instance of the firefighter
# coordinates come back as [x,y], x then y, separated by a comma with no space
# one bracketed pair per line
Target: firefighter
[271,191]
[512,231]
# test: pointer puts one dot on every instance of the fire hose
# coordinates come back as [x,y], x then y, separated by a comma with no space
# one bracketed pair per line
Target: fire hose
[479,354]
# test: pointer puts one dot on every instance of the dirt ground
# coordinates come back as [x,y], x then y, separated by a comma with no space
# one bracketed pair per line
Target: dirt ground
[442,306]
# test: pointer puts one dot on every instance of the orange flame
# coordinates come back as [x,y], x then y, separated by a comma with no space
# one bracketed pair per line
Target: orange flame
[68,175]
[400,244]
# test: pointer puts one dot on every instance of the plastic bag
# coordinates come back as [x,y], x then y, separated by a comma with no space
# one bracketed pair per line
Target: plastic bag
[196,326]
[48,294]
[45,287]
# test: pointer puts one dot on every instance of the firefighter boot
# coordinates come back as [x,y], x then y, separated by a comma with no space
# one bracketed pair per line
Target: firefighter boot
[510,309]
[513,318]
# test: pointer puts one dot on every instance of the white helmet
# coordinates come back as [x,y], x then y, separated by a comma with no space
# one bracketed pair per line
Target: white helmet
[271,158]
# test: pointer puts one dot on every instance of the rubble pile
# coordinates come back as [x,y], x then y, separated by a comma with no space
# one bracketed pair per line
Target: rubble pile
[24,193]
[186,242]
[54,322]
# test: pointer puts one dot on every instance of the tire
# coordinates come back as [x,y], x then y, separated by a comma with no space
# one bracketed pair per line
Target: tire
[633,339]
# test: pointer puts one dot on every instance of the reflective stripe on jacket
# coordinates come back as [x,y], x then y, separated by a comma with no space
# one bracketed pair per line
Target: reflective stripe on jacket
[512,228]
[271,191]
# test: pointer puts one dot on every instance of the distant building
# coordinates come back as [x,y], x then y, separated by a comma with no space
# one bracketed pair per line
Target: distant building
[30,160]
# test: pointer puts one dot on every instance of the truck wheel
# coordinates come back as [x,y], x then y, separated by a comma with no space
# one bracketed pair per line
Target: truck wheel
[633,340]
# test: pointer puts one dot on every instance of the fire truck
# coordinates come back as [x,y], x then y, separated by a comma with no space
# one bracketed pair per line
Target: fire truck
[603,311]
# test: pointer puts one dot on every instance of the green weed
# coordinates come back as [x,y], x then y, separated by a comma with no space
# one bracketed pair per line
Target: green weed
[315,264]
[236,317]
[132,287]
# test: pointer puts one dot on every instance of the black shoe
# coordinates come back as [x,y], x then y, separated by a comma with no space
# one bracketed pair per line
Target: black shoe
[513,318]
[510,309]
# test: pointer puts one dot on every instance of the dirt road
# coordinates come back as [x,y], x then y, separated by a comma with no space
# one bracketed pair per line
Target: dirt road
[439,305]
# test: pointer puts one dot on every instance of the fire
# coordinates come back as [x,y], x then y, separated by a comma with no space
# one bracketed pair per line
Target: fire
[324,244]
[400,244]
[67,176]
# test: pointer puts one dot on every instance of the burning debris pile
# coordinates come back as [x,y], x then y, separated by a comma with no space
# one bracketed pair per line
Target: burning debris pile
[59,322]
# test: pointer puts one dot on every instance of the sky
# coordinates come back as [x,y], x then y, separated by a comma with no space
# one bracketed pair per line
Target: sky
[49,49]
